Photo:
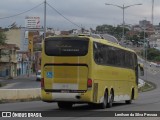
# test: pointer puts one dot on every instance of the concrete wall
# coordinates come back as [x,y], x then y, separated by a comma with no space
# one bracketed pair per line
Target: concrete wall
[14,94]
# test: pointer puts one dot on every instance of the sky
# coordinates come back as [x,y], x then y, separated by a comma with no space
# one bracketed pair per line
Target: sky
[84,13]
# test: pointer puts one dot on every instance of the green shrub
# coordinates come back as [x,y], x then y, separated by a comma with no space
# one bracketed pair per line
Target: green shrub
[157,58]
[152,54]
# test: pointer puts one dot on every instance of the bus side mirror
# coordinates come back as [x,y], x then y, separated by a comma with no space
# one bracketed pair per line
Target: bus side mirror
[141,69]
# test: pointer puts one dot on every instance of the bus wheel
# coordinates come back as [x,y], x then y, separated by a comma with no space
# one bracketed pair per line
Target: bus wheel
[103,105]
[65,105]
[128,101]
[110,99]
[132,97]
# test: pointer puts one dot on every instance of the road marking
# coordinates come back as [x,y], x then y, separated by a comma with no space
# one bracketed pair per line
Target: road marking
[152,70]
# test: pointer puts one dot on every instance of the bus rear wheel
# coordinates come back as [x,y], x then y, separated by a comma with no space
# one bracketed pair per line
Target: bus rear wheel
[111,99]
[128,101]
[65,105]
[132,97]
[103,105]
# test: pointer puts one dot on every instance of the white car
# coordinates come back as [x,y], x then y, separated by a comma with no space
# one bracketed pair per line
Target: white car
[38,75]
[157,65]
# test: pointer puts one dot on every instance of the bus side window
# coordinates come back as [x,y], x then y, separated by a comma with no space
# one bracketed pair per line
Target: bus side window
[135,65]
[98,53]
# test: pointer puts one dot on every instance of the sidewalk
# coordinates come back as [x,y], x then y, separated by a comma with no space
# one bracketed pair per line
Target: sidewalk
[21,76]
[6,80]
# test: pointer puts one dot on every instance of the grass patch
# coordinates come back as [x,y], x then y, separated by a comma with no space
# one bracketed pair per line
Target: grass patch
[147,87]
[19,100]
[3,84]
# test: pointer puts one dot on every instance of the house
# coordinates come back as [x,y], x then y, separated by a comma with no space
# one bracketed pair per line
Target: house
[22,63]
[8,60]
[14,36]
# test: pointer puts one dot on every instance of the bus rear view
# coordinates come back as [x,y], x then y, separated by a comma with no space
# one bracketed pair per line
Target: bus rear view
[65,70]
[87,70]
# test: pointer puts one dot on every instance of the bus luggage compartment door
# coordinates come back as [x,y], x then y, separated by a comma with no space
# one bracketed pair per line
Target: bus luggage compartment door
[65,77]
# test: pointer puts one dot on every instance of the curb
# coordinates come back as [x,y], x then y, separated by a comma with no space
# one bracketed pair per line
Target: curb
[17,94]
[141,83]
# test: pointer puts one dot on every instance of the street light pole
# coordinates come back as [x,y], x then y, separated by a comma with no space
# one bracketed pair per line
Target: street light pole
[123,8]
[152,11]
[144,44]
[44,19]
[123,22]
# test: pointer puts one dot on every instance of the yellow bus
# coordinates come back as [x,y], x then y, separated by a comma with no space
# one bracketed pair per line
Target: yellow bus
[83,69]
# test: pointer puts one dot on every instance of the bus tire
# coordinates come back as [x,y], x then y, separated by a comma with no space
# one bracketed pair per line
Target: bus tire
[132,97]
[110,99]
[64,105]
[128,101]
[103,105]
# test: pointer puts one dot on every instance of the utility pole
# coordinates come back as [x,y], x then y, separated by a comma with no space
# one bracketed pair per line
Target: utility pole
[10,64]
[44,19]
[123,22]
[152,11]
[144,44]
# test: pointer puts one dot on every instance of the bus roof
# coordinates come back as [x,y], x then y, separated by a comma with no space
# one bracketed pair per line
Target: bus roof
[107,42]
[103,41]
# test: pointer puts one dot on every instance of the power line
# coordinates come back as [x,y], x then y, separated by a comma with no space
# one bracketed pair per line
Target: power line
[21,12]
[38,6]
[63,16]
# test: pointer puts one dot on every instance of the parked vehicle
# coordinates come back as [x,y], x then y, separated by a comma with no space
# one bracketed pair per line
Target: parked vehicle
[157,65]
[38,75]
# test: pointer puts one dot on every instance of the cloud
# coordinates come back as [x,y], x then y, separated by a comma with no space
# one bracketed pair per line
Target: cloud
[82,12]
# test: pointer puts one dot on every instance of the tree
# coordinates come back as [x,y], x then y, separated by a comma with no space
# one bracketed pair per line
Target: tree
[157,58]
[114,31]
[142,35]
[153,54]
[3,38]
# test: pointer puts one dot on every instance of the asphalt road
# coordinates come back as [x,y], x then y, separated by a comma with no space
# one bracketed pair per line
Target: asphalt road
[22,82]
[147,101]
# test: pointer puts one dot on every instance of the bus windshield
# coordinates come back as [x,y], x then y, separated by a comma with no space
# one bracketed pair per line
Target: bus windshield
[67,46]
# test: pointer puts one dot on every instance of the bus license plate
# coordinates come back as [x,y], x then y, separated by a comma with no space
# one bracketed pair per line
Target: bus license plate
[64,91]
